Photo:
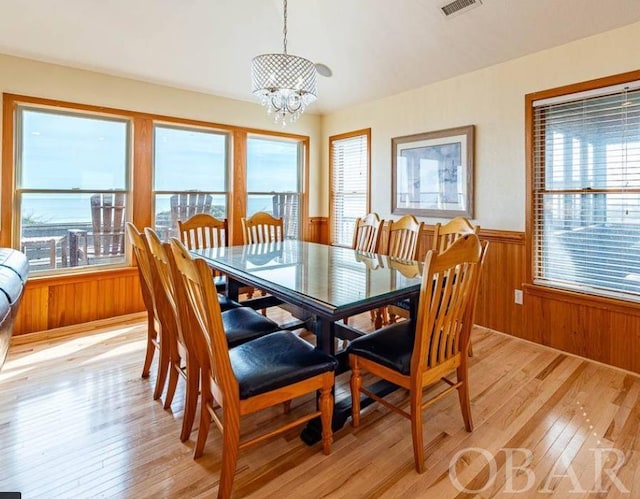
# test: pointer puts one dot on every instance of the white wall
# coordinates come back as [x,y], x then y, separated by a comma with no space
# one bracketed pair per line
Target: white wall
[36,79]
[493,100]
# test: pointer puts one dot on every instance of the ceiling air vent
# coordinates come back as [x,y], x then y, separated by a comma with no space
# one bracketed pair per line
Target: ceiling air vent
[459,6]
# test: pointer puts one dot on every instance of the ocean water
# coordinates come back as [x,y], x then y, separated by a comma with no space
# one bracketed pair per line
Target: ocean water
[39,209]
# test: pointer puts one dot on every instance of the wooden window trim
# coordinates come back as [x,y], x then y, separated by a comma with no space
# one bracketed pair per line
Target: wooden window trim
[142,167]
[332,139]
[529,286]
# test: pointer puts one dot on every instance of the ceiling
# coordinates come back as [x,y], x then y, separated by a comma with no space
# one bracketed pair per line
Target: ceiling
[375,48]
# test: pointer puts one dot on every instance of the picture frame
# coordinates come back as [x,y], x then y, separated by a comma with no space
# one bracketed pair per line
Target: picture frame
[433,172]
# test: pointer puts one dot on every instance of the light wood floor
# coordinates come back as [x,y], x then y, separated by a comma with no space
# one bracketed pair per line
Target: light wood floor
[76,420]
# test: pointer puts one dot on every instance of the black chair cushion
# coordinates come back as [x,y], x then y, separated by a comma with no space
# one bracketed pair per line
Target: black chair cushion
[227,303]
[276,360]
[391,346]
[243,324]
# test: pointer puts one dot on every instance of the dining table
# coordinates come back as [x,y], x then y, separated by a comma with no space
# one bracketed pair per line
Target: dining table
[324,284]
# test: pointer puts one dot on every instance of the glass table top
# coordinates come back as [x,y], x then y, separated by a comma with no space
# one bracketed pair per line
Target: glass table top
[334,276]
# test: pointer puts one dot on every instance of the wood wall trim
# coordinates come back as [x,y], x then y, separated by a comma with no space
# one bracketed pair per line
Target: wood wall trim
[142,178]
[238,204]
[40,101]
[6,193]
[582,299]
[74,278]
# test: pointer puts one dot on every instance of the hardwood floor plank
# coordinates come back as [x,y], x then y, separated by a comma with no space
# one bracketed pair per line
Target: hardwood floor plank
[77,420]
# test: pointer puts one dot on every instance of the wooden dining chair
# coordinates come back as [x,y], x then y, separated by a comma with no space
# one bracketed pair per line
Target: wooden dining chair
[262,228]
[205,231]
[366,238]
[415,354]
[402,243]
[141,251]
[258,374]
[404,234]
[240,324]
[173,340]
[366,234]
[443,237]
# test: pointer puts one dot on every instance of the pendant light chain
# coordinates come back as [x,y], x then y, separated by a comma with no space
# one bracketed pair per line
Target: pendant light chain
[284,31]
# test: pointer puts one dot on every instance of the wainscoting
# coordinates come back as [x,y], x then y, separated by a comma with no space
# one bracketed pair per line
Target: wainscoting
[52,302]
[603,330]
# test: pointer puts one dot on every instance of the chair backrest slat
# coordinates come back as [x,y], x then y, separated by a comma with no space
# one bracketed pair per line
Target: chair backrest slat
[403,237]
[447,298]
[445,235]
[164,293]
[203,231]
[366,235]
[141,251]
[262,228]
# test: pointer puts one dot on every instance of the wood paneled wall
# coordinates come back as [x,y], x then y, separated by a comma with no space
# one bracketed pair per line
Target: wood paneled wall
[73,299]
[590,327]
[318,230]
[51,302]
[503,273]
[594,328]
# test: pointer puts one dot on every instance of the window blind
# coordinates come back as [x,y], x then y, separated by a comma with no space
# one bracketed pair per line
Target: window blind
[349,185]
[586,192]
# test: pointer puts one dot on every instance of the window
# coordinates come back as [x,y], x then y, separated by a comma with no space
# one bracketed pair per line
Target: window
[349,172]
[274,180]
[190,175]
[586,191]
[72,172]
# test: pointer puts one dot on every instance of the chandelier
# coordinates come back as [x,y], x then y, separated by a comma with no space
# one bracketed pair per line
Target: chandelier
[285,84]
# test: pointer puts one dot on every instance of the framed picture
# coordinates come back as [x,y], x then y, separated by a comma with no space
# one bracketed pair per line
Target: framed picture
[432,173]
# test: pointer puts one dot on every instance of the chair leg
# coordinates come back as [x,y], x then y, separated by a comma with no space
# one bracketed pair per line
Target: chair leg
[463,395]
[470,349]
[151,348]
[190,400]
[205,424]
[230,446]
[392,318]
[173,383]
[416,429]
[163,366]
[326,412]
[356,383]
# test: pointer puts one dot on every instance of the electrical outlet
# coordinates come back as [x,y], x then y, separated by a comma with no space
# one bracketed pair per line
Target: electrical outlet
[517,296]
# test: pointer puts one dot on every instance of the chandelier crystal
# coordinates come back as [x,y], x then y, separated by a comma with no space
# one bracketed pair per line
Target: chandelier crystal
[285,84]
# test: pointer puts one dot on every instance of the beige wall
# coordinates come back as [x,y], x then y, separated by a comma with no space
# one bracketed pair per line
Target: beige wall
[27,77]
[493,100]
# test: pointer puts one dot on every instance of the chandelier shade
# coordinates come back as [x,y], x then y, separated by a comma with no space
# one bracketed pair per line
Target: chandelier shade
[285,84]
